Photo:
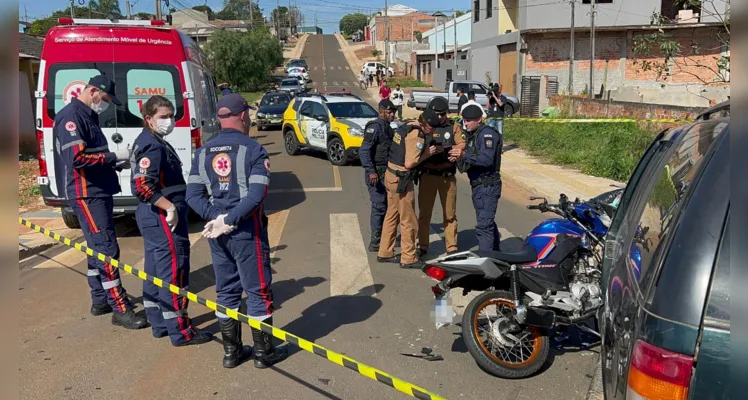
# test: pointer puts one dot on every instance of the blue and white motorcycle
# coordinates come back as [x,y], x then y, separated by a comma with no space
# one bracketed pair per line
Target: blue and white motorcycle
[554,280]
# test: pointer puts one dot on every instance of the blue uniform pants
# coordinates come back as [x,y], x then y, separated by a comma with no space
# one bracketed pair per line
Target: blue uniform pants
[485,202]
[378,197]
[167,257]
[97,222]
[241,261]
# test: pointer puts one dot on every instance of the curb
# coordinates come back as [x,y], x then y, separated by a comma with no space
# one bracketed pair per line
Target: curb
[25,252]
[596,391]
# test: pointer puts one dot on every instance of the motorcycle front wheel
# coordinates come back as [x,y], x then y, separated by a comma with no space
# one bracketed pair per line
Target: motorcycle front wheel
[498,344]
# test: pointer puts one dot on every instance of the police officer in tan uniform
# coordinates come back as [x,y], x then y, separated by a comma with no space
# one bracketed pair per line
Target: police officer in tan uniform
[406,153]
[438,176]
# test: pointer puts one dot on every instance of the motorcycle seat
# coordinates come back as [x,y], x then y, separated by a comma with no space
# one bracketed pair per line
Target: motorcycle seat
[526,255]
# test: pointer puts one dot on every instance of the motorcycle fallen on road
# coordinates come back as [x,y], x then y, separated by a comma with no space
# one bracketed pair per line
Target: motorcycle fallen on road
[553,281]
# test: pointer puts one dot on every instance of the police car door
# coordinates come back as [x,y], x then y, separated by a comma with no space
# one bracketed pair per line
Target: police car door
[320,126]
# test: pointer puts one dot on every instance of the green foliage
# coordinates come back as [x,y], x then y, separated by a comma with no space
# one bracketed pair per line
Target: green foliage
[244,59]
[206,9]
[418,35]
[609,150]
[239,9]
[351,23]
[376,53]
[144,16]
[405,81]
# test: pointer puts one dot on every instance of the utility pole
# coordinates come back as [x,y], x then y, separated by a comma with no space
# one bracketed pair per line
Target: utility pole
[436,44]
[444,34]
[290,30]
[592,50]
[158,10]
[127,9]
[571,53]
[277,19]
[386,38]
[454,28]
[72,9]
[251,16]
[412,38]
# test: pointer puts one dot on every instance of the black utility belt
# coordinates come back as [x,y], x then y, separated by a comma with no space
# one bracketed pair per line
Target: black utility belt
[486,180]
[399,174]
[380,168]
[444,173]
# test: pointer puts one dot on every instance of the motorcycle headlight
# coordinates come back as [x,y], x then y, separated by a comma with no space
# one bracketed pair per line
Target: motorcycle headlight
[260,115]
[355,132]
[585,242]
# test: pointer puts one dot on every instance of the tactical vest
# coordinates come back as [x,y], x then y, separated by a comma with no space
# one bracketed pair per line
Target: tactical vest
[397,149]
[473,149]
[381,151]
[441,136]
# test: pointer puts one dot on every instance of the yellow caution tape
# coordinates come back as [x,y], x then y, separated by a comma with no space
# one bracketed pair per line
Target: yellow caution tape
[363,369]
[577,120]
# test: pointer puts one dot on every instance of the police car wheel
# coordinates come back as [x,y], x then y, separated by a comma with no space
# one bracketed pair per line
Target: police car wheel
[70,220]
[290,143]
[336,152]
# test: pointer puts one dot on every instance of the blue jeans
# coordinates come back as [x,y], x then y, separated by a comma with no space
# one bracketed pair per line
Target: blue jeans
[497,125]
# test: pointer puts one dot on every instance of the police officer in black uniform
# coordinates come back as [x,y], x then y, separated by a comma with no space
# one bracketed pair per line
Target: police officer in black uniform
[373,155]
[481,159]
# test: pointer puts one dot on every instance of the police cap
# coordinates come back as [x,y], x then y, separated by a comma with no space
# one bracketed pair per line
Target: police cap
[387,105]
[438,104]
[472,111]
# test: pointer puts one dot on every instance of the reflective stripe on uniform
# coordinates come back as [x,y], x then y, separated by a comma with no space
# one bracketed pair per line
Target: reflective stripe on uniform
[204,173]
[261,179]
[92,272]
[173,314]
[173,189]
[110,284]
[150,304]
[241,172]
[69,145]
[195,179]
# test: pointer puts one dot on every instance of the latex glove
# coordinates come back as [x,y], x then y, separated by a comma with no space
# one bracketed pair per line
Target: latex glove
[122,165]
[171,217]
[217,227]
[122,154]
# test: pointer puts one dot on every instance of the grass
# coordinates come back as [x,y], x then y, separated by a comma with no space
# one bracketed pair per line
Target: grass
[28,191]
[405,81]
[252,97]
[609,150]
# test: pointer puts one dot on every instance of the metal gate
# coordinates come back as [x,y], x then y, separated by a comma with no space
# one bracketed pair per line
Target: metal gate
[530,100]
[551,86]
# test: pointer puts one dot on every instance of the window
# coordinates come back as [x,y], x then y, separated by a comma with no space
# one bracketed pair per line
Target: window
[352,110]
[478,89]
[718,305]
[449,75]
[463,86]
[275,100]
[296,105]
[306,108]
[429,68]
[489,8]
[319,110]
[476,10]
[135,84]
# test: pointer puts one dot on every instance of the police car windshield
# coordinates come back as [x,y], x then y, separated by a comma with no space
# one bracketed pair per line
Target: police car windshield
[352,110]
[290,82]
[275,100]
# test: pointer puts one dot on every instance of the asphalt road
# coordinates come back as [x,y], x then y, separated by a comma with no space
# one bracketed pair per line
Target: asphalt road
[327,289]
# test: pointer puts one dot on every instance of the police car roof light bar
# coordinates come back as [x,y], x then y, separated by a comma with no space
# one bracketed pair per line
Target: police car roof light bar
[125,22]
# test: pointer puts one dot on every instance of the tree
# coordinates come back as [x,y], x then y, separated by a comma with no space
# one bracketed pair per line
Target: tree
[144,16]
[279,14]
[418,35]
[245,59]
[239,10]
[706,60]
[107,7]
[206,9]
[350,23]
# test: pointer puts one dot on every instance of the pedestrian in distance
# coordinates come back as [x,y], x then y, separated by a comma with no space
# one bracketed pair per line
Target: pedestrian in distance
[373,153]
[496,102]
[227,186]
[398,97]
[86,173]
[225,89]
[406,153]
[438,176]
[161,216]
[471,100]
[362,80]
[461,98]
[481,159]
[384,91]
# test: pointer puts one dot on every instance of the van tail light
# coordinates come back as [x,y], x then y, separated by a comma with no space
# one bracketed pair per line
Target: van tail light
[435,272]
[40,153]
[658,373]
[195,139]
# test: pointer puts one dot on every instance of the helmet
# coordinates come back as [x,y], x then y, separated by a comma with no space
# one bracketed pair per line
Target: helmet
[431,117]
[438,104]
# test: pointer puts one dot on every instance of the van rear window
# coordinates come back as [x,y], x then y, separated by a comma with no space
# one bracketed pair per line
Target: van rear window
[135,84]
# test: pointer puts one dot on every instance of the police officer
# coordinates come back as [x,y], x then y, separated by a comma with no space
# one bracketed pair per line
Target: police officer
[438,176]
[406,153]
[227,185]
[161,215]
[373,155]
[86,173]
[482,161]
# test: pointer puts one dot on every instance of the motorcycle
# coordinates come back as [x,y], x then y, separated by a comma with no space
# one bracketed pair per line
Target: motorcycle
[553,281]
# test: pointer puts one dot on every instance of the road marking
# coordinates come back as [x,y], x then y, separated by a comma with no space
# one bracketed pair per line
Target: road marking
[339,68]
[347,67]
[336,176]
[306,190]
[345,83]
[335,83]
[350,273]
[276,223]
[315,68]
[314,83]
[324,83]
[332,67]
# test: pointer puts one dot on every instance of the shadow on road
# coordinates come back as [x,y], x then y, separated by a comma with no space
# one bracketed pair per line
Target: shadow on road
[325,316]
[290,288]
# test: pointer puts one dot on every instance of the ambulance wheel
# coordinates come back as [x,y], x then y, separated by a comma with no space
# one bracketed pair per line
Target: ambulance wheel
[70,220]
[290,143]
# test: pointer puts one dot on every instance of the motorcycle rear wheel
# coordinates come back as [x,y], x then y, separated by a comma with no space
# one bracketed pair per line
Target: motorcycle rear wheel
[495,352]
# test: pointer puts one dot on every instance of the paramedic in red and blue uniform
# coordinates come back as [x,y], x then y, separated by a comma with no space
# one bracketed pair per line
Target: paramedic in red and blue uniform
[161,215]
[86,173]
[227,186]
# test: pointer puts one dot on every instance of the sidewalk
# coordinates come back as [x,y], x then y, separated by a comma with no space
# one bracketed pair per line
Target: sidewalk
[31,242]
[298,50]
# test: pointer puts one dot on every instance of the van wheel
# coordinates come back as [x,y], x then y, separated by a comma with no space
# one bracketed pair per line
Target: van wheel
[70,220]
[336,152]
[290,142]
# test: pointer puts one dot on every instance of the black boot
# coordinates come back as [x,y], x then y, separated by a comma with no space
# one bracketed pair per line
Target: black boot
[100,309]
[265,353]
[376,237]
[199,337]
[234,351]
[129,320]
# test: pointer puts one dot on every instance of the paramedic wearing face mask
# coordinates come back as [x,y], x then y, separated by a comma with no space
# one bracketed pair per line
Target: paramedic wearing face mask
[161,215]
[86,173]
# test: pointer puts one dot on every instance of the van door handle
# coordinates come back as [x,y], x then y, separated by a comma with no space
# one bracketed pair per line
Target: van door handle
[202,122]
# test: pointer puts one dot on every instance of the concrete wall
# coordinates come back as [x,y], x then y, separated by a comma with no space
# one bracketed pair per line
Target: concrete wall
[508,15]
[581,107]
[485,28]
[558,15]
[463,33]
[460,72]
[484,64]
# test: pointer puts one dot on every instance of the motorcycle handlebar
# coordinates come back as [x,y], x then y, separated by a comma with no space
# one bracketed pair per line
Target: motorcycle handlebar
[533,207]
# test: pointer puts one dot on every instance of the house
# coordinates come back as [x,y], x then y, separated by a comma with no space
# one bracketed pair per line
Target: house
[314,30]
[441,42]
[196,25]
[513,40]
[29,56]
[401,34]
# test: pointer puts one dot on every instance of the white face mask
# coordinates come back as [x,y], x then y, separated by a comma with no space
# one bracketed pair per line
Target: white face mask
[164,126]
[99,107]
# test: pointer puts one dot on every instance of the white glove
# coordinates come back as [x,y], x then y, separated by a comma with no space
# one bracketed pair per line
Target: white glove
[122,154]
[171,217]
[217,227]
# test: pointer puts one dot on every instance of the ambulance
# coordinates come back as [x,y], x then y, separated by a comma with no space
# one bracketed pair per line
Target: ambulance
[144,58]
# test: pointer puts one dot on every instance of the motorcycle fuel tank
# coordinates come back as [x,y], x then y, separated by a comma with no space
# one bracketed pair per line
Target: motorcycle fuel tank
[543,237]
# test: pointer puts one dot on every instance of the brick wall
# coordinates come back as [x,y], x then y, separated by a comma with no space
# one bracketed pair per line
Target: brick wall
[593,108]
[401,28]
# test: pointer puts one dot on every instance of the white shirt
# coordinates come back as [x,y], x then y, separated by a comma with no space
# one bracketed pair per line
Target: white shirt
[469,102]
[397,100]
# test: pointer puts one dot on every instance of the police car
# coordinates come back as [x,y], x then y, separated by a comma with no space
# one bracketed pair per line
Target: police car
[329,121]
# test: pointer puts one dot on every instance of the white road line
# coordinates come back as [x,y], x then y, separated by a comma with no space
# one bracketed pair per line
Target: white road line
[335,83]
[314,83]
[345,83]
[332,67]
[349,263]
[339,67]
[324,83]
[315,68]
[347,67]
[276,223]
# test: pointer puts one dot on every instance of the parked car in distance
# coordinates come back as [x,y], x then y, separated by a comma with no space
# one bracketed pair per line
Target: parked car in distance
[270,109]
[372,67]
[292,86]
[419,98]
[665,325]
[296,62]
[299,73]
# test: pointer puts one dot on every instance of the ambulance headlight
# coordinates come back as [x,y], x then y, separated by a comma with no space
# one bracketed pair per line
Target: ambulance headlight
[355,132]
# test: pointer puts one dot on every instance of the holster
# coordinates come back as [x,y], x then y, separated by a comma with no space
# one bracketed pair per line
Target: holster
[462,165]
[486,180]
[380,170]
[404,179]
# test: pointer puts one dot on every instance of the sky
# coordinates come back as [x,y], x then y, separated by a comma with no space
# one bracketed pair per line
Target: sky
[328,12]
